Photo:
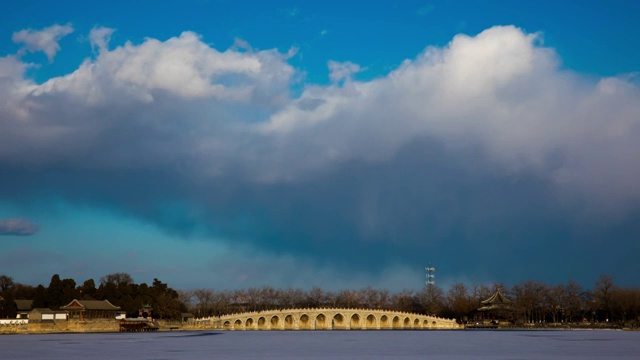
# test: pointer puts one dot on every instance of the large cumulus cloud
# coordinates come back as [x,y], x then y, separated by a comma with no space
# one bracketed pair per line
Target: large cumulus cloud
[498,92]
[484,149]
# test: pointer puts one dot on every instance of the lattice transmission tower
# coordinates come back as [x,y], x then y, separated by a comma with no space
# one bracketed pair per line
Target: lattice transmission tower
[431,275]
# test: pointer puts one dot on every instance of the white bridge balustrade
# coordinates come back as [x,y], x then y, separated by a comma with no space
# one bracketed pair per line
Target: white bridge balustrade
[331,319]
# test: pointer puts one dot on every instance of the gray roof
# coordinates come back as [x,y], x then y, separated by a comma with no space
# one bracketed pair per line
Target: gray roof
[48,311]
[23,305]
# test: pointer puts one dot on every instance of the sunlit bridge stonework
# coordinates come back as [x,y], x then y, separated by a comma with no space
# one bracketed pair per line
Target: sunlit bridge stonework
[331,319]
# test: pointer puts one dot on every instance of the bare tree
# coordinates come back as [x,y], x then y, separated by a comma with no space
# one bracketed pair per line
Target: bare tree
[481,292]
[316,298]
[602,294]
[403,301]
[625,304]
[348,299]
[573,301]
[553,302]
[6,283]
[431,300]
[222,302]
[267,298]
[529,299]
[459,301]
[374,298]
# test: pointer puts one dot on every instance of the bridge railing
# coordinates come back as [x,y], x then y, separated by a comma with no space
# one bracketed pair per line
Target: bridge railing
[386,311]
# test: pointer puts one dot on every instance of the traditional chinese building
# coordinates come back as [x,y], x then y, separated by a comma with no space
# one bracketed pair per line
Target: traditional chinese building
[91,310]
[23,307]
[496,308]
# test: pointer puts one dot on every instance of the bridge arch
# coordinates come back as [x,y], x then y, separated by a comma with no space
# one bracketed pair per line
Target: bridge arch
[416,324]
[249,324]
[305,322]
[227,325]
[338,321]
[321,322]
[406,323]
[395,324]
[371,322]
[289,322]
[384,322]
[355,322]
[262,323]
[275,322]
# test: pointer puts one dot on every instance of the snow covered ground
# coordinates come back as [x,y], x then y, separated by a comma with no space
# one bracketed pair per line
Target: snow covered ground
[326,344]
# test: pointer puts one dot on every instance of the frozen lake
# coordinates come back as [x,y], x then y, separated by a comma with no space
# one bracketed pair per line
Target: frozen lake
[326,344]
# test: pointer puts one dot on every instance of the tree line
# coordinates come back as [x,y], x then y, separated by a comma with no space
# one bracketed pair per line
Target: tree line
[118,288]
[532,301]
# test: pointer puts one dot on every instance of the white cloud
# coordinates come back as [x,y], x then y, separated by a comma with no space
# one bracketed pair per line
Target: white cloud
[45,40]
[498,91]
[183,66]
[342,70]
[230,113]
[100,37]
[179,97]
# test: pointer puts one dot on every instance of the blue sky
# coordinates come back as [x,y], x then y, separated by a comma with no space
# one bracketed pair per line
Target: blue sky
[231,144]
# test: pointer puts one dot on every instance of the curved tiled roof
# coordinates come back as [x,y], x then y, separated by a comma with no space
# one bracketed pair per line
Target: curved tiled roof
[496,298]
[496,301]
[90,305]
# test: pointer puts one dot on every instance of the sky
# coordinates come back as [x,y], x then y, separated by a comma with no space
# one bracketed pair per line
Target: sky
[339,144]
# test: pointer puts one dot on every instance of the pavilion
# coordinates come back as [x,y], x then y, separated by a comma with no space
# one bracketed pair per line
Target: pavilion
[495,309]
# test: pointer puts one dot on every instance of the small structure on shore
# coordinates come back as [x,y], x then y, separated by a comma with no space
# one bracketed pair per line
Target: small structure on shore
[494,309]
[23,306]
[91,310]
[137,325]
[46,314]
[186,317]
[145,311]
[143,323]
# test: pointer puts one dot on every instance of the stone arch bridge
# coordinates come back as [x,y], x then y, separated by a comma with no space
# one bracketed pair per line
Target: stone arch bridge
[330,319]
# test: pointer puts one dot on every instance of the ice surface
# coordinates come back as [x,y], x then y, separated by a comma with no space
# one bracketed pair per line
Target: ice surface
[326,345]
